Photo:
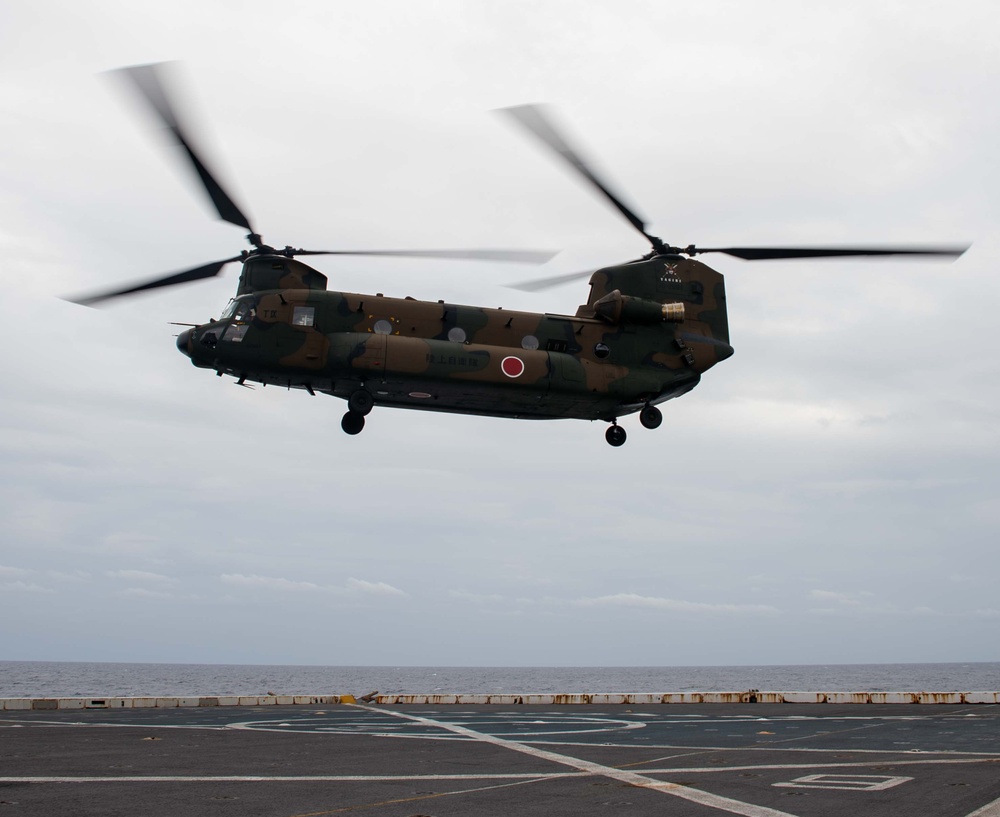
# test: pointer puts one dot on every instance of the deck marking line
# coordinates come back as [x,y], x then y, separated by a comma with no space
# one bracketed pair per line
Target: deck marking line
[794,766]
[413,799]
[694,795]
[760,748]
[989,810]
[298,778]
[389,778]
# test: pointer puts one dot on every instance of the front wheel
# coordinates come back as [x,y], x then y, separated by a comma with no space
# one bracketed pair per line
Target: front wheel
[650,417]
[615,435]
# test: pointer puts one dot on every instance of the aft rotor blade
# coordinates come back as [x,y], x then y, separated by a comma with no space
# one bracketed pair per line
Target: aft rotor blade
[516,256]
[532,118]
[186,276]
[148,79]
[539,284]
[775,253]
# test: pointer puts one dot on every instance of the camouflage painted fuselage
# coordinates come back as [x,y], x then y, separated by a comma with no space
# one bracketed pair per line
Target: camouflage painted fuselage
[648,331]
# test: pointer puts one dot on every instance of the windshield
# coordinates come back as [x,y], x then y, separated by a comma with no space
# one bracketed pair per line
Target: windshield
[242,309]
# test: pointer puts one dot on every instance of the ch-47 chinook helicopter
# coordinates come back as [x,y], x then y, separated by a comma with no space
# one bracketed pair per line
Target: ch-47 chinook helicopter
[648,331]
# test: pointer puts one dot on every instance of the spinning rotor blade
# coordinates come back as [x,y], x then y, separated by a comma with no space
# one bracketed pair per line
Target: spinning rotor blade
[764,254]
[772,253]
[547,283]
[148,79]
[516,256]
[532,119]
[196,274]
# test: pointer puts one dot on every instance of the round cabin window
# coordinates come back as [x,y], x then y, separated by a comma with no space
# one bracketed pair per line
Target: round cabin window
[382,327]
[456,334]
[529,342]
[601,350]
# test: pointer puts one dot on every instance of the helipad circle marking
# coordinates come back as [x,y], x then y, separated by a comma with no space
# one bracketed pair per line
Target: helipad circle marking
[512,366]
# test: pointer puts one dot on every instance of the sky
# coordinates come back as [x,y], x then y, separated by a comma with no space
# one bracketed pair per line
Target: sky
[827,495]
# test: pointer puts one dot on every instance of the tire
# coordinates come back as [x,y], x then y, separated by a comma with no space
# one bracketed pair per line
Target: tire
[352,422]
[361,402]
[615,435]
[651,417]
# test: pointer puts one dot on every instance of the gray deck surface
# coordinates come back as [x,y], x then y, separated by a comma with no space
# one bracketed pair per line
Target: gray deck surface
[397,761]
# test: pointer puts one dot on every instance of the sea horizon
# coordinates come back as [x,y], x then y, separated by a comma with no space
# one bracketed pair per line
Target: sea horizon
[129,679]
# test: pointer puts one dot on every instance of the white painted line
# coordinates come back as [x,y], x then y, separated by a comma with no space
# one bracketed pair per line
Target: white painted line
[989,810]
[845,782]
[796,766]
[768,748]
[317,778]
[694,795]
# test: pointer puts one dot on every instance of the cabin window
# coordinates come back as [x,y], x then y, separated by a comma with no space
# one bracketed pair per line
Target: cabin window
[601,350]
[382,327]
[456,334]
[303,315]
[529,342]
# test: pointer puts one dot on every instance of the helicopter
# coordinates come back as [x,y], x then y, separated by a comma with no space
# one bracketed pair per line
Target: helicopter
[650,328]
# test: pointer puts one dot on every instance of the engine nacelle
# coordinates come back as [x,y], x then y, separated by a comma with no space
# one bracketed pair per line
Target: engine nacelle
[617,308]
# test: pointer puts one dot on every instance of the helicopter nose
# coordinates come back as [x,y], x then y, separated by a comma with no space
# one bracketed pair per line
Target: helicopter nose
[184,342]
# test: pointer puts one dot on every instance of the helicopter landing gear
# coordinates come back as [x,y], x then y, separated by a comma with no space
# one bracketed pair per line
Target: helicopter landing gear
[352,422]
[650,417]
[361,402]
[615,435]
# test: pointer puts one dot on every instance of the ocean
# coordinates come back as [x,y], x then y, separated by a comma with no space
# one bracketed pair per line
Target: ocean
[53,679]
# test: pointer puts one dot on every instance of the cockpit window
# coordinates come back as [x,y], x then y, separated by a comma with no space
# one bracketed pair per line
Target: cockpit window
[244,311]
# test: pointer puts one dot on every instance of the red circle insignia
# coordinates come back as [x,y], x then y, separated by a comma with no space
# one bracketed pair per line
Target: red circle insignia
[512,366]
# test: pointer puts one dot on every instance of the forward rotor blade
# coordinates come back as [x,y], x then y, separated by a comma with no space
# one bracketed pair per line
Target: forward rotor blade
[773,253]
[516,256]
[196,274]
[547,283]
[532,118]
[148,79]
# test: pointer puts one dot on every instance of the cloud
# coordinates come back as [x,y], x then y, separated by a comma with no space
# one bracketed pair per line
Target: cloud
[840,598]
[478,598]
[24,587]
[12,572]
[123,542]
[374,588]
[865,603]
[268,582]
[138,576]
[352,587]
[144,593]
[677,605]
[987,612]
[71,576]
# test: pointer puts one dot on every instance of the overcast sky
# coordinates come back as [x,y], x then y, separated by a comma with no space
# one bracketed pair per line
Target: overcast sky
[827,495]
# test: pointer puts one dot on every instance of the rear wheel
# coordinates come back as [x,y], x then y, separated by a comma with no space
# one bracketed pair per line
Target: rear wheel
[615,435]
[352,422]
